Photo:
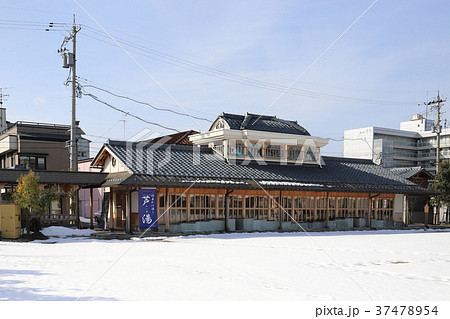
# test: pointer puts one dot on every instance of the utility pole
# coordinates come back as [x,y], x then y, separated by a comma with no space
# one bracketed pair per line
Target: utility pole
[437,103]
[69,61]
[73,126]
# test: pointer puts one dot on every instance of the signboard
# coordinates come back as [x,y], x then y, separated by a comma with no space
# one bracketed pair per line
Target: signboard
[148,217]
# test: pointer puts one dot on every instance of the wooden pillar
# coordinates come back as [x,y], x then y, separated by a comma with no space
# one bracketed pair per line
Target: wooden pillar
[244,206]
[315,208]
[167,212]
[77,207]
[327,217]
[405,211]
[91,202]
[217,205]
[188,206]
[128,211]
[280,211]
[369,219]
[227,211]
[111,209]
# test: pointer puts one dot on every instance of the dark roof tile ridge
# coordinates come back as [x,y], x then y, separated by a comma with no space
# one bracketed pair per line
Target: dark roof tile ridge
[348,159]
[157,145]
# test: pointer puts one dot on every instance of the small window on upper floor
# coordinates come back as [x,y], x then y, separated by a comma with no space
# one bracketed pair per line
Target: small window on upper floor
[219,125]
[32,162]
[274,151]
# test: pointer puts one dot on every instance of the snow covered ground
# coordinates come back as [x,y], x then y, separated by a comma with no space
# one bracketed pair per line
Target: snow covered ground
[383,265]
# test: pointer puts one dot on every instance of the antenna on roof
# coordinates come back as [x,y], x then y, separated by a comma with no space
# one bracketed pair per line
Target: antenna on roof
[3,96]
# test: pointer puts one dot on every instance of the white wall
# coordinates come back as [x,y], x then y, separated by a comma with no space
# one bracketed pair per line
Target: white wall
[109,168]
[358,143]
[398,207]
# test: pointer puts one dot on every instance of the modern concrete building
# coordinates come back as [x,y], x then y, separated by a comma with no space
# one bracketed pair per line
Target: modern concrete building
[413,145]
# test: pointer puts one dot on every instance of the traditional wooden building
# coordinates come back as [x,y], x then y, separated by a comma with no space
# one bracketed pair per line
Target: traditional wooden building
[416,204]
[248,173]
[59,212]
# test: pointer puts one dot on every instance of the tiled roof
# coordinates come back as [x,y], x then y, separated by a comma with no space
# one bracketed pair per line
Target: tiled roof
[84,179]
[177,164]
[180,138]
[262,123]
[408,172]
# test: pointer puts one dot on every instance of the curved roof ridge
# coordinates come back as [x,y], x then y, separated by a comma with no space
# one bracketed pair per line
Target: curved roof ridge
[267,123]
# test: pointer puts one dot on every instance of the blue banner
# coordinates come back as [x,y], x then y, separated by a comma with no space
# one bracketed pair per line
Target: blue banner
[148,210]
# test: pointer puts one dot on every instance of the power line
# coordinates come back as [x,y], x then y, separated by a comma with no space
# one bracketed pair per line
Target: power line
[154,102]
[145,103]
[135,61]
[127,113]
[195,67]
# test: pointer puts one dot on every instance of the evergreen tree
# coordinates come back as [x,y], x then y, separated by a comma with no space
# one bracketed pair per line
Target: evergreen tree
[442,185]
[33,199]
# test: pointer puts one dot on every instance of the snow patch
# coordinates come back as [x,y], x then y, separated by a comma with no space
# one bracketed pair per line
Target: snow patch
[60,231]
[290,184]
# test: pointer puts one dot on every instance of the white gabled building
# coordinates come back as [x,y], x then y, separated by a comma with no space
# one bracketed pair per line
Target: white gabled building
[261,137]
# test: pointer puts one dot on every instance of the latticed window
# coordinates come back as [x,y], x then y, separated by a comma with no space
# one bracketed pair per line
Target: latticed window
[257,207]
[202,206]
[237,149]
[254,149]
[321,208]
[294,152]
[286,212]
[331,208]
[236,208]
[177,210]
[303,208]
[274,151]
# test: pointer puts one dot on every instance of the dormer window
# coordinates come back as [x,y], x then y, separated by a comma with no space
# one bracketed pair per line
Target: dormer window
[254,149]
[294,152]
[261,138]
[219,125]
[237,149]
[274,151]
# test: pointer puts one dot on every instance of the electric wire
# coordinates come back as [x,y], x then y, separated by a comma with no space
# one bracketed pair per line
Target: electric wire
[195,67]
[136,62]
[145,103]
[127,113]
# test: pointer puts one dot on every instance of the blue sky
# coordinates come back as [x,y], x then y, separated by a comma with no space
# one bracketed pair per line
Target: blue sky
[397,52]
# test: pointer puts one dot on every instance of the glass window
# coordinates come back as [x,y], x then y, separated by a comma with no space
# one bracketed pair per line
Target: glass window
[294,152]
[32,162]
[274,151]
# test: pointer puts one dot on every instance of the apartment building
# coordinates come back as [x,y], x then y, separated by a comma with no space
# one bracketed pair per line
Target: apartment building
[413,145]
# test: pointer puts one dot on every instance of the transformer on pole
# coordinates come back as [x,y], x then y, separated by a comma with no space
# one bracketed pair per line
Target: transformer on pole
[69,61]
